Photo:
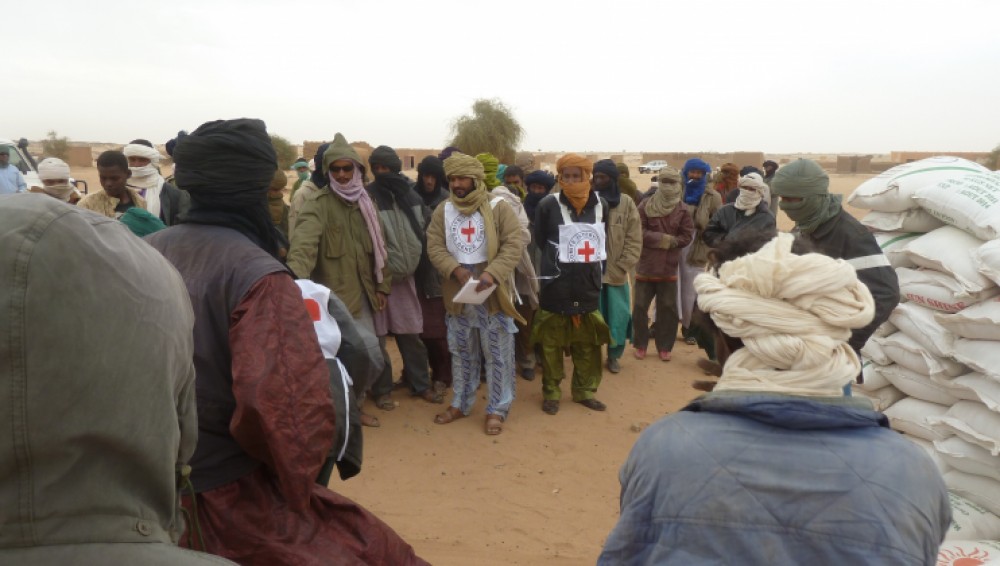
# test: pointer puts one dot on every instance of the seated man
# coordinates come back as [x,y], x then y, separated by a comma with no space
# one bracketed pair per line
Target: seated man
[97,432]
[776,466]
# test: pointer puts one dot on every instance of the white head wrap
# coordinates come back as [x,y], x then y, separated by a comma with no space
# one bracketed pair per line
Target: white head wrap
[139,150]
[749,199]
[52,168]
[794,314]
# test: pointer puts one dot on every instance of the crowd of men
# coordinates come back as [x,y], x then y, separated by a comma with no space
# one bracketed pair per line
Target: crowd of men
[481,272]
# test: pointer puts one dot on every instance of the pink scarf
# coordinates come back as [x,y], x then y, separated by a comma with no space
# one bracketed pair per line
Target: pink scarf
[354,191]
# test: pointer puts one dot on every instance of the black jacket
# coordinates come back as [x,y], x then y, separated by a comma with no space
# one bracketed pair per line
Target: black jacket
[729,221]
[843,237]
[566,288]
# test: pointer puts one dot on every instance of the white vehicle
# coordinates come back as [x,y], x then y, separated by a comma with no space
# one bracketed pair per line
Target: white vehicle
[19,158]
[652,166]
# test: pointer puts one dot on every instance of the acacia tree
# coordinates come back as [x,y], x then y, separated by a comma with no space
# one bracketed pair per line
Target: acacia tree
[55,146]
[285,151]
[491,128]
[993,160]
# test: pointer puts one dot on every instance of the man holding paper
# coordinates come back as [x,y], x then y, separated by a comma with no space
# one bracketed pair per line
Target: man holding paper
[474,238]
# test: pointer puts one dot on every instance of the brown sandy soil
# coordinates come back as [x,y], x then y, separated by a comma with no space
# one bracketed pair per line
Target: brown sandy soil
[543,492]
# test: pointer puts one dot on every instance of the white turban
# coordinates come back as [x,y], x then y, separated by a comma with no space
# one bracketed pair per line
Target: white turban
[52,168]
[139,150]
[749,199]
[794,314]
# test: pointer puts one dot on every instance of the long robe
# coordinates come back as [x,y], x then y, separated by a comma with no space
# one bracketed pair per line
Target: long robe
[277,514]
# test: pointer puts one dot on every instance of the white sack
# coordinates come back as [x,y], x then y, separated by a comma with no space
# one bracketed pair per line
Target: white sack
[908,353]
[938,291]
[913,220]
[950,250]
[909,416]
[891,190]
[918,323]
[970,202]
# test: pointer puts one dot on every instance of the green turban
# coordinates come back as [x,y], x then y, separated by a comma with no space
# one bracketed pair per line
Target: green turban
[141,222]
[491,165]
[800,179]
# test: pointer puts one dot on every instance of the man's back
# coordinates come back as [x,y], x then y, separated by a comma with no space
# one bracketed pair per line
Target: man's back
[764,479]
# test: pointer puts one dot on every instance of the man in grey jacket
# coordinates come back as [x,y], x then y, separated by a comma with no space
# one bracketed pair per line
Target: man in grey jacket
[98,430]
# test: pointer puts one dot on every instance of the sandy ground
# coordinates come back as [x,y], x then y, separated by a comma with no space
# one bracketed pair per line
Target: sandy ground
[543,492]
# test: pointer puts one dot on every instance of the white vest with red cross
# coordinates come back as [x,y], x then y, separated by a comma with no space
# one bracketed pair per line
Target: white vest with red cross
[580,242]
[465,236]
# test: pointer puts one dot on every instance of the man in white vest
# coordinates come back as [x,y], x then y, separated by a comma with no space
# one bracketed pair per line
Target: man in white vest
[472,237]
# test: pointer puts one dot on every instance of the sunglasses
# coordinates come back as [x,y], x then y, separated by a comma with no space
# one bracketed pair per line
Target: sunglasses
[345,168]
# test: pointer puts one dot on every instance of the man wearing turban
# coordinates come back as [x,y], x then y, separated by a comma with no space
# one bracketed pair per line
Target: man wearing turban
[623,248]
[163,200]
[770,169]
[473,237]
[432,188]
[702,202]
[727,181]
[265,415]
[749,211]
[626,184]
[54,174]
[804,189]
[403,217]
[570,230]
[338,241]
[777,466]
[310,186]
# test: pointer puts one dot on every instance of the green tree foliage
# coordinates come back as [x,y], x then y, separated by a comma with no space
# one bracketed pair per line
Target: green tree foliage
[285,150]
[55,146]
[993,161]
[491,128]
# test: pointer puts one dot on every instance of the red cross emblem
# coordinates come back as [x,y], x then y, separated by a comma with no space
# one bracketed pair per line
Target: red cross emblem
[468,231]
[586,251]
[312,306]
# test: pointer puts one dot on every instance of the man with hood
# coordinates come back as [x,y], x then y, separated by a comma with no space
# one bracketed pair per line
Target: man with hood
[626,184]
[525,278]
[163,200]
[432,187]
[54,173]
[265,415]
[94,451]
[472,238]
[624,245]
[403,217]
[667,229]
[770,169]
[748,212]
[702,202]
[776,465]
[570,229]
[338,242]
[804,189]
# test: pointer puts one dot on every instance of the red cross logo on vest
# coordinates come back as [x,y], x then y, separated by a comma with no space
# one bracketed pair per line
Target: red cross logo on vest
[586,251]
[468,231]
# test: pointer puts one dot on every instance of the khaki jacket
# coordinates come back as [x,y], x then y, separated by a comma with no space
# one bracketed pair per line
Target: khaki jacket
[624,242]
[102,203]
[510,247]
[306,189]
[330,245]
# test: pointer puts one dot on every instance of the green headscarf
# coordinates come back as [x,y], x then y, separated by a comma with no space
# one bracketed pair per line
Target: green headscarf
[491,165]
[812,210]
[805,179]
[141,222]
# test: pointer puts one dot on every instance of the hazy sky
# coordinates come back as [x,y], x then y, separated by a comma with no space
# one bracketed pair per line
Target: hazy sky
[804,76]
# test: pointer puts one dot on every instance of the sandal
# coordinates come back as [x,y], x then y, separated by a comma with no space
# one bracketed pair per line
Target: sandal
[449,415]
[370,420]
[550,406]
[593,404]
[494,424]
[430,395]
[385,402]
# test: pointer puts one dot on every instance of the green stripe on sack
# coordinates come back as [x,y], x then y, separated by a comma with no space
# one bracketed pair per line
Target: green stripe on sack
[898,238]
[969,169]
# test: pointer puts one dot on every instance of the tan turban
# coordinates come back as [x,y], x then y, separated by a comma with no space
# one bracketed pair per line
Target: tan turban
[576,193]
[794,314]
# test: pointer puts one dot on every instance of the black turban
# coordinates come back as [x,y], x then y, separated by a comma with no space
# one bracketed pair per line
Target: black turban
[227,166]
[385,155]
[607,167]
[750,169]
[541,177]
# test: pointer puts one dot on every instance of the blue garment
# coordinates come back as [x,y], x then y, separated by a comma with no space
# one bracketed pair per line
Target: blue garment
[11,181]
[694,189]
[740,478]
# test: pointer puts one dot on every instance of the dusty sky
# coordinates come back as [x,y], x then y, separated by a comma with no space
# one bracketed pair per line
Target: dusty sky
[820,76]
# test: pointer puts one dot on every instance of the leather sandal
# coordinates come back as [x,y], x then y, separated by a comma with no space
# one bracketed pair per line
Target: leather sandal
[494,424]
[450,414]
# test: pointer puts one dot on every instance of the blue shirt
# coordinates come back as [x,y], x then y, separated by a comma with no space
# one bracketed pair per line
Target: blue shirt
[11,180]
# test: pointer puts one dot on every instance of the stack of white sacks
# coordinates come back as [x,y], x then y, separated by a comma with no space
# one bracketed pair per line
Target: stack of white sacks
[934,368]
